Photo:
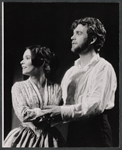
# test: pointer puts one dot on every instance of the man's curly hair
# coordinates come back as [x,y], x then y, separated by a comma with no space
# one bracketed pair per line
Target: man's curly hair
[95,28]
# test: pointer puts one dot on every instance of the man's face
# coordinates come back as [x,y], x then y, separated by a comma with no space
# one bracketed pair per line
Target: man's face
[79,39]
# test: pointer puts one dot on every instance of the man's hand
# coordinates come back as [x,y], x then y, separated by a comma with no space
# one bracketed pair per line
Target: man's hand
[53,110]
[38,114]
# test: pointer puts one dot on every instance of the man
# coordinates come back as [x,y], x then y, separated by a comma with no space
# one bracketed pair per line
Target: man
[88,88]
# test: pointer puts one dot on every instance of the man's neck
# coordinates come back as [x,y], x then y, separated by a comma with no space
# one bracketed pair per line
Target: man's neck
[86,58]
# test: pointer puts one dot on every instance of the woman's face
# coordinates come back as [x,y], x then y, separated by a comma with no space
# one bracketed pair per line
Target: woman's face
[27,67]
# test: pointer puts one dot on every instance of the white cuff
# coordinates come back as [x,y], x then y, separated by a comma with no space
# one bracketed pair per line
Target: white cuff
[67,112]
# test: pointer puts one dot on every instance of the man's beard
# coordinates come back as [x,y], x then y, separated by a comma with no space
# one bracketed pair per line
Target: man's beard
[83,49]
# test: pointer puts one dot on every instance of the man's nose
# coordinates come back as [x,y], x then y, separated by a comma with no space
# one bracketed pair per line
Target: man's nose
[72,37]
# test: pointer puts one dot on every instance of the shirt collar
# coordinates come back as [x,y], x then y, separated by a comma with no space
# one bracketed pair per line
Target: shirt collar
[93,61]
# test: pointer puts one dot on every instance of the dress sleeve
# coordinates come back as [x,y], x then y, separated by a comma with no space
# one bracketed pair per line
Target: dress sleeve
[55,95]
[100,97]
[21,108]
[58,94]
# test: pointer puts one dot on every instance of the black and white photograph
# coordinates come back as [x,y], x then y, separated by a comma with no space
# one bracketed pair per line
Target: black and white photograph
[60,74]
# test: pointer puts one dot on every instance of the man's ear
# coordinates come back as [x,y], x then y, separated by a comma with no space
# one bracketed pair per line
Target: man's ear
[93,39]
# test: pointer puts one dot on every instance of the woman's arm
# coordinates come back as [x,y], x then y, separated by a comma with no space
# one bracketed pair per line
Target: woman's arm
[22,109]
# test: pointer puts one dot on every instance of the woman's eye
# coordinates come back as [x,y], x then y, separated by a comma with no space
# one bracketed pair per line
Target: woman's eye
[28,57]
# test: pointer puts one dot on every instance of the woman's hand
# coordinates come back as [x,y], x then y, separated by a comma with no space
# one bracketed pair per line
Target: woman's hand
[33,114]
[28,115]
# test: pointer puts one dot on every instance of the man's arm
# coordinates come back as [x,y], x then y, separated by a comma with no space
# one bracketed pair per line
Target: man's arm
[101,97]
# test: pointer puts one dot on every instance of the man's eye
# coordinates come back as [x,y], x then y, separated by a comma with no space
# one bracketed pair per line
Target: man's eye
[79,33]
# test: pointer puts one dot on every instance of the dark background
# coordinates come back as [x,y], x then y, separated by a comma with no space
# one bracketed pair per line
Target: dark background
[49,24]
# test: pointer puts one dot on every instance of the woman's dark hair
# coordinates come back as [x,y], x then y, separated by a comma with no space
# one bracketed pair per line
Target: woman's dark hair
[42,56]
[95,28]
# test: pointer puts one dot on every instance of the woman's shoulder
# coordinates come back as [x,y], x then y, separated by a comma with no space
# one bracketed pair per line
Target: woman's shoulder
[53,84]
[49,82]
[19,84]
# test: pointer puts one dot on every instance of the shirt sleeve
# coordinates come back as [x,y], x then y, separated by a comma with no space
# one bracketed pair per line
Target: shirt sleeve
[21,108]
[100,97]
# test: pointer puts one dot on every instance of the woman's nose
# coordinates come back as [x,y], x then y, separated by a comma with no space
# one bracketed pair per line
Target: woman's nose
[21,62]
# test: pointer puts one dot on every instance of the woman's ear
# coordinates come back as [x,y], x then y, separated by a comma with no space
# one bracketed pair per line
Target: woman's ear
[93,39]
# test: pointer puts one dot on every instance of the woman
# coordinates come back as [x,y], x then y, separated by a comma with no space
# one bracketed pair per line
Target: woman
[29,97]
